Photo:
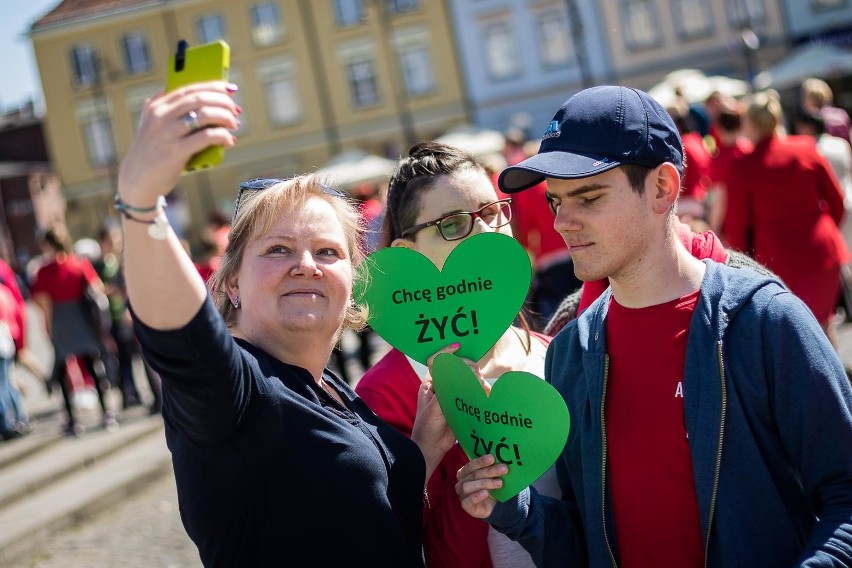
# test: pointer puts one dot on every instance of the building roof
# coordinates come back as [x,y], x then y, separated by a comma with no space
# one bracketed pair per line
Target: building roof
[68,10]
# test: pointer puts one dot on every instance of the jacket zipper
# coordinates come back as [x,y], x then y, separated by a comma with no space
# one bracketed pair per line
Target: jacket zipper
[718,451]
[603,464]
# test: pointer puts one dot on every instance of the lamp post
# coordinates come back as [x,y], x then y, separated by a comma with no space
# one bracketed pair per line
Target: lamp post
[578,38]
[406,121]
[747,39]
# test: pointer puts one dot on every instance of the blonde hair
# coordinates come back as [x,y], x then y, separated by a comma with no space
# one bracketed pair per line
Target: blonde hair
[817,92]
[764,112]
[259,210]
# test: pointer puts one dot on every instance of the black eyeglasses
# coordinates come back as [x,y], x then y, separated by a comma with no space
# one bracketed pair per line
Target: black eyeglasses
[455,226]
[259,184]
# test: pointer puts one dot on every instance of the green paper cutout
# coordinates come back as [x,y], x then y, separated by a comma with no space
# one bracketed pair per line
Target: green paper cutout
[473,300]
[532,420]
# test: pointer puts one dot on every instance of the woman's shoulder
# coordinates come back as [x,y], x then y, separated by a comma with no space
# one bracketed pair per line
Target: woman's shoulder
[392,371]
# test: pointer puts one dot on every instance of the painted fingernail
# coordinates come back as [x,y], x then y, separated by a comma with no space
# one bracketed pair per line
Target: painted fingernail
[455,345]
[232,88]
[239,109]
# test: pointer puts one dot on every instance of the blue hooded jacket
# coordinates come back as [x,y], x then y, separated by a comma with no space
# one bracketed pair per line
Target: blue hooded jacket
[768,410]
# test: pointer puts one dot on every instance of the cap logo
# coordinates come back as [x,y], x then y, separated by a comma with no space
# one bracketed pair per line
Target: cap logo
[600,162]
[552,130]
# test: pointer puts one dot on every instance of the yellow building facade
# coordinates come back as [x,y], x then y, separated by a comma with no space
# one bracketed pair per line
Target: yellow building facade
[316,78]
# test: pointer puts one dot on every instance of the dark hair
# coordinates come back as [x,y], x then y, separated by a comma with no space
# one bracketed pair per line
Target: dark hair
[636,175]
[812,119]
[414,176]
[58,240]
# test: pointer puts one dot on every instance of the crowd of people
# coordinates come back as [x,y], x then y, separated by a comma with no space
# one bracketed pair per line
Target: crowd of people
[688,264]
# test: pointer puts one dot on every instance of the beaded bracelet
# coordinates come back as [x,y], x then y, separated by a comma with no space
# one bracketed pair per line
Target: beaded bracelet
[158,227]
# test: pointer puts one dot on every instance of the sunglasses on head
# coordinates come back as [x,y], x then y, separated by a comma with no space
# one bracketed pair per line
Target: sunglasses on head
[259,184]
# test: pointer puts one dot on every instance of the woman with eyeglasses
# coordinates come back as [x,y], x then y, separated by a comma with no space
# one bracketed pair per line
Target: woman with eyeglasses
[438,197]
[277,461]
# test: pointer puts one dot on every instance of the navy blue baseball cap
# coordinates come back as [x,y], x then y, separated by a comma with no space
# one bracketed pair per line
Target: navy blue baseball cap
[596,130]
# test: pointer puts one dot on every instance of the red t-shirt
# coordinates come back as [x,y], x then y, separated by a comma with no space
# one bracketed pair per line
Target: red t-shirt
[649,464]
[62,278]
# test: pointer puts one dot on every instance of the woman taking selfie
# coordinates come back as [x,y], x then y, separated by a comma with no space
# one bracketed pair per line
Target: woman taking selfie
[438,197]
[277,461]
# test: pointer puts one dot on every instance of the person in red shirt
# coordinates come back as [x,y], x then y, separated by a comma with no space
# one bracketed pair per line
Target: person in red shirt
[58,289]
[696,167]
[700,395]
[730,146]
[438,197]
[785,204]
[14,421]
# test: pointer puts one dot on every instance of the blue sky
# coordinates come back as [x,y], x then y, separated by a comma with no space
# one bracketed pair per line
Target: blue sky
[20,81]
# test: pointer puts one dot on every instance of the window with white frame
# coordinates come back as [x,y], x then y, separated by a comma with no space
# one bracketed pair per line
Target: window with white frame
[640,24]
[823,5]
[278,79]
[501,50]
[554,37]
[359,67]
[134,48]
[85,68]
[693,18]
[135,100]
[401,6]
[415,61]
[96,126]
[745,13]
[210,27]
[348,13]
[266,28]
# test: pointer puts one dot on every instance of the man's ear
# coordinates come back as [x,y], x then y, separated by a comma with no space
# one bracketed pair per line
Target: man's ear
[404,243]
[664,182]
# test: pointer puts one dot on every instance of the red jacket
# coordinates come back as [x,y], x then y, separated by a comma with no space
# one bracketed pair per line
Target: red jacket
[785,204]
[696,171]
[451,537]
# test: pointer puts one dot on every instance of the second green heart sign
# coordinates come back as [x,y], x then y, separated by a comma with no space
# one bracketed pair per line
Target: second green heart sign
[473,301]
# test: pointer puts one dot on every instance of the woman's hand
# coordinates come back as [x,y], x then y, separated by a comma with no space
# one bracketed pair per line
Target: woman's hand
[474,481]
[431,431]
[164,143]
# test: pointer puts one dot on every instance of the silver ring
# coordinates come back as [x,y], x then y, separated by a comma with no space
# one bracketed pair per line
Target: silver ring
[190,119]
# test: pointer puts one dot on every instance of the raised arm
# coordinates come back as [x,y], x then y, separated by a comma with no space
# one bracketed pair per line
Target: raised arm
[162,283]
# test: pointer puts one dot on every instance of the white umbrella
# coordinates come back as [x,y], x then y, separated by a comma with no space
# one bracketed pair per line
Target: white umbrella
[474,140]
[354,167]
[696,87]
[822,61]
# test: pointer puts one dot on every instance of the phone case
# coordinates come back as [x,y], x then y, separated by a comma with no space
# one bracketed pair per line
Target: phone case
[206,62]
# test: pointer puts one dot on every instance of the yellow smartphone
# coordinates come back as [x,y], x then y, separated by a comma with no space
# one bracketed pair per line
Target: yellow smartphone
[206,62]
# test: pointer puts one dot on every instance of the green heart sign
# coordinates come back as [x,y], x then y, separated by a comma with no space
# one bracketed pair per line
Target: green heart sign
[473,301]
[523,422]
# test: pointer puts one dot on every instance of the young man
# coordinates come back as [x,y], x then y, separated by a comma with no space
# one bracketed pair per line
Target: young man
[710,418]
